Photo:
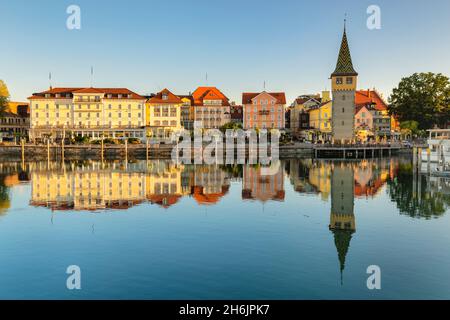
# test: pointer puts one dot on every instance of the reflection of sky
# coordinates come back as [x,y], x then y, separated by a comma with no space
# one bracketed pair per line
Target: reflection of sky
[234,249]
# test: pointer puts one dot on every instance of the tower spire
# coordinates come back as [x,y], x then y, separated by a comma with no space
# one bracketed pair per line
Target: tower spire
[344,65]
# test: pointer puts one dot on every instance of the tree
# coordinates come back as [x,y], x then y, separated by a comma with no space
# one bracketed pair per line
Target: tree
[422,97]
[231,125]
[4,98]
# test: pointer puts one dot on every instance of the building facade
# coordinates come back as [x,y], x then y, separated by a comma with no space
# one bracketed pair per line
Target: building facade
[187,112]
[58,113]
[163,115]
[15,122]
[382,121]
[211,108]
[343,83]
[264,110]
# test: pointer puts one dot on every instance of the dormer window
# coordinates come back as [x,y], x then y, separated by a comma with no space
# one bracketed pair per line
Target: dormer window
[67,95]
[57,95]
[164,96]
[120,96]
[109,95]
[129,96]
[47,95]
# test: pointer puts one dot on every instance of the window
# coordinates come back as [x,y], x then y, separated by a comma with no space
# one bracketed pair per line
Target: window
[343,110]
[349,80]
[338,80]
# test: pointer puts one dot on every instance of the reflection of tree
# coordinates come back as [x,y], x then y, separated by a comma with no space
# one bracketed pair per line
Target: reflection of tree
[4,196]
[235,170]
[421,205]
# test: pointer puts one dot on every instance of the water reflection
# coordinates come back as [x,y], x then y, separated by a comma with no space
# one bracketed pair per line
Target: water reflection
[87,185]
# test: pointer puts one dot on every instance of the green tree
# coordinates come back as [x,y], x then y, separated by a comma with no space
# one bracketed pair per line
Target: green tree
[422,97]
[4,98]
[231,125]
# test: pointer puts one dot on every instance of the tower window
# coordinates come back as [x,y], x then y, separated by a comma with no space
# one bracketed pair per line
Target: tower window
[338,80]
[349,80]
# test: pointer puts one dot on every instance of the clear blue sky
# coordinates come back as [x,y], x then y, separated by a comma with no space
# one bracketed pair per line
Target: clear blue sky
[149,45]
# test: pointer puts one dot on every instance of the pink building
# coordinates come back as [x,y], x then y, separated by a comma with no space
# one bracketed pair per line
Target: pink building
[264,110]
[363,118]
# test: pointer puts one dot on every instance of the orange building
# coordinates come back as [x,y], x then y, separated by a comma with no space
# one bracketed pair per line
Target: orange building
[211,108]
[383,123]
[257,186]
[264,110]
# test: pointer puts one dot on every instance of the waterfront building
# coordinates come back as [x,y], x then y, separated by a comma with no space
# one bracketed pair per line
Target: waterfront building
[264,110]
[187,111]
[237,114]
[343,83]
[58,113]
[163,115]
[15,122]
[364,122]
[372,100]
[320,119]
[299,116]
[211,108]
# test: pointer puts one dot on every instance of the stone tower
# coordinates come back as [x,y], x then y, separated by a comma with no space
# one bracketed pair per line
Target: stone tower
[343,84]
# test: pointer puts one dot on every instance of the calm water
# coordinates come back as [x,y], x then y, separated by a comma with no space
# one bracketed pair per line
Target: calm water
[159,231]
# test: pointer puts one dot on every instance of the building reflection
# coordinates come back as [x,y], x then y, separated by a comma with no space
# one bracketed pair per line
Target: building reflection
[263,184]
[342,216]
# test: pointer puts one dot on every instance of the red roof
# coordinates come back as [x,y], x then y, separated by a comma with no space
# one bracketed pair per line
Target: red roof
[209,93]
[248,96]
[171,98]
[115,92]
[367,97]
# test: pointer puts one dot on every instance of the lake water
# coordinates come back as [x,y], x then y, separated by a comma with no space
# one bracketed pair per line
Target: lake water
[304,229]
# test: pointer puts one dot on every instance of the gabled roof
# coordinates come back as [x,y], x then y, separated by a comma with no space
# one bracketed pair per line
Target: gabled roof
[171,98]
[247,97]
[370,97]
[344,65]
[209,93]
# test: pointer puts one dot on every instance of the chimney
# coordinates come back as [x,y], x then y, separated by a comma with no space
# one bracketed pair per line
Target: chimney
[368,93]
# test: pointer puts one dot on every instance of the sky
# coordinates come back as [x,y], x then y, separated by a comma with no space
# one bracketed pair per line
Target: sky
[147,46]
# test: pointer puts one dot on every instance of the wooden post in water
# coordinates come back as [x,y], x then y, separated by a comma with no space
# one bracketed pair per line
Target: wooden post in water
[22,143]
[62,151]
[102,150]
[48,150]
[428,160]
[146,150]
[126,150]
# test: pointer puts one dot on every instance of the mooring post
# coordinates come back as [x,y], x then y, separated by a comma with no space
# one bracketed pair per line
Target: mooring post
[48,150]
[22,142]
[146,150]
[126,150]
[102,150]
[62,150]
[428,161]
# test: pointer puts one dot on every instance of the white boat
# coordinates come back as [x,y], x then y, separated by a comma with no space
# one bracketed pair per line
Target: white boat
[438,146]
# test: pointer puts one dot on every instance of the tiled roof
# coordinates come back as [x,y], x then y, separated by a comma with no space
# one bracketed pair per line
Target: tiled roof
[344,65]
[209,93]
[367,97]
[171,98]
[248,96]
[115,92]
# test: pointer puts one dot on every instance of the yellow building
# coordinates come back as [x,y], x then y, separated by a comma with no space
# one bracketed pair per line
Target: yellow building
[163,115]
[92,112]
[320,119]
